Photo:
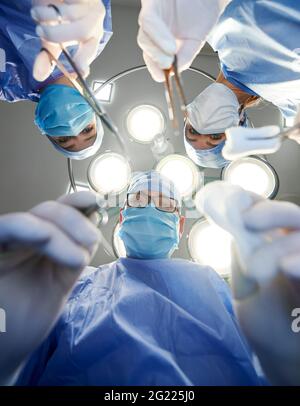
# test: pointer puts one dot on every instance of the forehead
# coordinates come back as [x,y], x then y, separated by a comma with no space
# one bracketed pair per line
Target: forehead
[151,193]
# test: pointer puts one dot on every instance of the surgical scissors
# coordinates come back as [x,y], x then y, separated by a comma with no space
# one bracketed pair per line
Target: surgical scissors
[169,92]
[83,88]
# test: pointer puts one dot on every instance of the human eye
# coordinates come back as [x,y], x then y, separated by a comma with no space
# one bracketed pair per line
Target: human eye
[87,129]
[193,131]
[216,136]
[63,140]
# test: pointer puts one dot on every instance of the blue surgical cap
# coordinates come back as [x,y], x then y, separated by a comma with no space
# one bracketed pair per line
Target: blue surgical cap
[62,111]
[87,152]
[154,181]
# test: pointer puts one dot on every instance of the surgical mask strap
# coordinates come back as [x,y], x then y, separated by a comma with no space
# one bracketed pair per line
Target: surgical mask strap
[242,115]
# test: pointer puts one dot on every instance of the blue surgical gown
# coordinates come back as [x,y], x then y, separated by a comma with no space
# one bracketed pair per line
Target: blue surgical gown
[258,43]
[145,322]
[21,45]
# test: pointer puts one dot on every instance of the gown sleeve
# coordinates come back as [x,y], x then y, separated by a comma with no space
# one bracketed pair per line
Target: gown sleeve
[19,46]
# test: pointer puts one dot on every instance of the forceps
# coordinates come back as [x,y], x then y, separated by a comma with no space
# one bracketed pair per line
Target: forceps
[81,85]
[283,135]
[169,93]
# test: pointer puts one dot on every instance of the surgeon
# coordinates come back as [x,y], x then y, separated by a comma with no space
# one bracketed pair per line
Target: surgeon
[258,48]
[217,108]
[265,273]
[145,319]
[29,30]
[149,321]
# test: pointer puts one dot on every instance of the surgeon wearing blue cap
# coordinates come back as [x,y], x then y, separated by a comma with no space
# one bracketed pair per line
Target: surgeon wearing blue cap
[146,319]
[258,47]
[27,30]
[68,121]
[257,44]
[214,110]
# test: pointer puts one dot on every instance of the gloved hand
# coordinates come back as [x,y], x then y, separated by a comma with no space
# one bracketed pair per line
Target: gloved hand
[43,253]
[266,311]
[175,27]
[242,141]
[82,23]
[295,135]
[264,305]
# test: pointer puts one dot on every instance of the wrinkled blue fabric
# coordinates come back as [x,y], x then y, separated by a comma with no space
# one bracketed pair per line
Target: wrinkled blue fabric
[258,46]
[21,44]
[145,322]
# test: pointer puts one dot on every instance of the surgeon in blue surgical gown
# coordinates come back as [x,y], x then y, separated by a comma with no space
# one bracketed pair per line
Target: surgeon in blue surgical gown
[62,114]
[146,319]
[258,47]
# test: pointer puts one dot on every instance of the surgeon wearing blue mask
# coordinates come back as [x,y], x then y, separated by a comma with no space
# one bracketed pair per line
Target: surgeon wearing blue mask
[151,224]
[214,110]
[29,30]
[68,121]
[258,47]
[145,319]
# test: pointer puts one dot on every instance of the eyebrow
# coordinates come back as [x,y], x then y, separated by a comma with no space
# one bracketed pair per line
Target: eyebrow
[93,136]
[191,139]
[187,131]
[62,143]
[207,142]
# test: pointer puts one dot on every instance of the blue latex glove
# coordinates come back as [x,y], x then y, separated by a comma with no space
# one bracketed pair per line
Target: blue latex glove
[41,258]
[265,273]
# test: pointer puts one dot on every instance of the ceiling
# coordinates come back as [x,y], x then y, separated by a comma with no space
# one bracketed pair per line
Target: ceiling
[31,171]
[127,3]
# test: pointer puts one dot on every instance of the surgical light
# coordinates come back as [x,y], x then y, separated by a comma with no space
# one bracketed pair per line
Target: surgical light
[109,173]
[118,245]
[144,123]
[182,171]
[253,174]
[210,245]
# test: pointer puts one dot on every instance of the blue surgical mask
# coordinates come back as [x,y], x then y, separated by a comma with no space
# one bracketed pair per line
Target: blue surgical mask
[62,111]
[210,158]
[207,158]
[148,233]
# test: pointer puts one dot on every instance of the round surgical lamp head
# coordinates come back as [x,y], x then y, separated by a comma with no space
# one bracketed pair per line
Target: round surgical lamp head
[210,245]
[253,174]
[182,171]
[109,173]
[144,122]
[118,245]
